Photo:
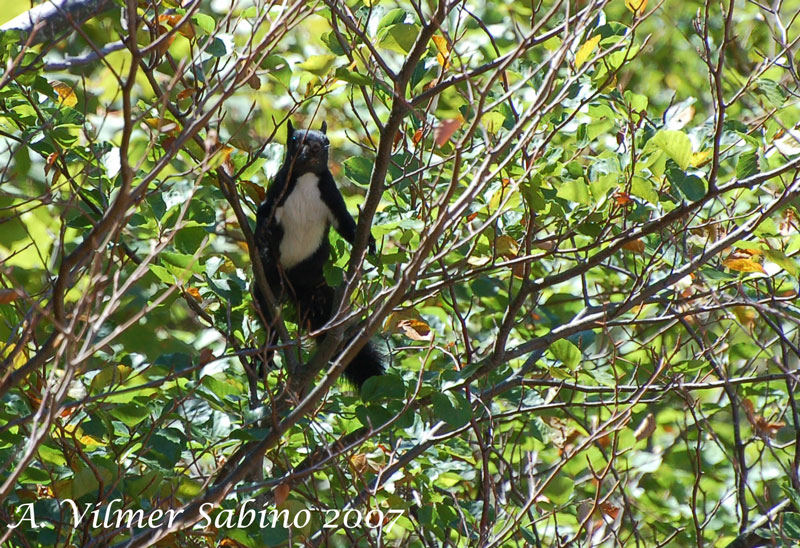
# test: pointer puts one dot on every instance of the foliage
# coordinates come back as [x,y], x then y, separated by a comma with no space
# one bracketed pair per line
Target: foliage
[586,285]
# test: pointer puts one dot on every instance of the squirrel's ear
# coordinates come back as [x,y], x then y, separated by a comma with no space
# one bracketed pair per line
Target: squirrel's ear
[324,127]
[289,129]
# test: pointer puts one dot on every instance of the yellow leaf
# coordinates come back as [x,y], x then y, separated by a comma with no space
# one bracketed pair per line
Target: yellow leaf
[227,266]
[162,124]
[493,121]
[586,50]
[636,6]
[65,94]
[700,158]
[225,152]
[444,53]
[506,246]
[743,265]
[185,29]
[359,462]
[746,315]
[416,330]
[195,293]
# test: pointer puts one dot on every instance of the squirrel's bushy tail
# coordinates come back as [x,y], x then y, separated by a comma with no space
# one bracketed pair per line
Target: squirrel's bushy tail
[316,307]
[367,363]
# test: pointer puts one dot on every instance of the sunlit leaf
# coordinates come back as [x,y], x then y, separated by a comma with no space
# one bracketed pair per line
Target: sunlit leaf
[66,94]
[205,22]
[400,37]
[636,6]
[743,265]
[506,246]
[493,121]
[747,164]
[566,352]
[575,191]
[416,330]
[675,144]
[585,51]
[443,58]
[318,64]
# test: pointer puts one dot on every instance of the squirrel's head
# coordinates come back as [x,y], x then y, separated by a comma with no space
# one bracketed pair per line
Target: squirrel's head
[307,149]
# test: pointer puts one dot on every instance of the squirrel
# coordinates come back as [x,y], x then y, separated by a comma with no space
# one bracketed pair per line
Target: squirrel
[291,238]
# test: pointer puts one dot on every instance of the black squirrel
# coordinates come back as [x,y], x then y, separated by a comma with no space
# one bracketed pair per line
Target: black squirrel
[291,238]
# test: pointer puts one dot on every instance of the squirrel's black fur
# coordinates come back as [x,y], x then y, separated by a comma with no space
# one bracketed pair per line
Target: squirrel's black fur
[291,238]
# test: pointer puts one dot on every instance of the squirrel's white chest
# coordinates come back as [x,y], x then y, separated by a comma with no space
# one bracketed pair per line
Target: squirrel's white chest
[304,218]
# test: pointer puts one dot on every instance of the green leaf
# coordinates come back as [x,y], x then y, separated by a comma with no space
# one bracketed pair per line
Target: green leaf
[791,525]
[599,127]
[493,121]
[771,91]
[399,38]
[643,188]
[130,414]
[182,260]
[217,48]
[395,16]
[358,169]
[786,263]
[560,489]
[353,77]
[86,482]
[691,186]
[278,69]
[566,352]
[747,164]
[374,415]
[333,275]
[792,494]
[220,388]
[254,167]
[575,191]
[330,40]
[638,103]
[575,169]
[318,64]
[384,386]
[205,22]
[249,12]
[602,185]
[675,144]
[249,434]
[533,195]
[452,408]
[162,274]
